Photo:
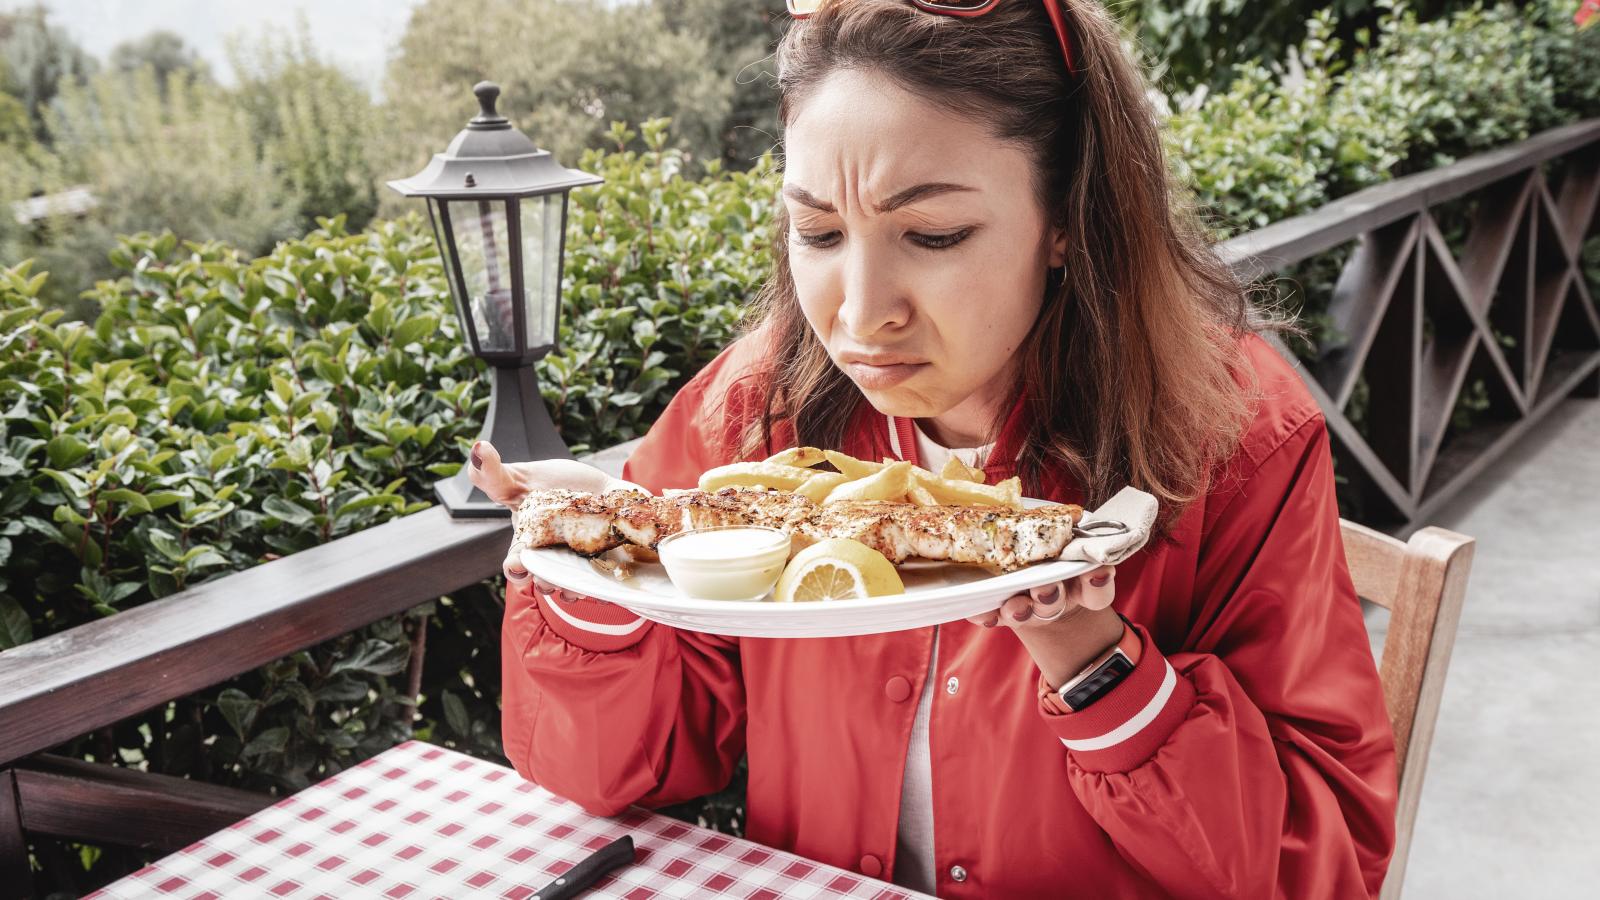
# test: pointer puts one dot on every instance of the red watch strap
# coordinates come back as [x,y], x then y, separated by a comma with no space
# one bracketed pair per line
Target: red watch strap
[1129,644]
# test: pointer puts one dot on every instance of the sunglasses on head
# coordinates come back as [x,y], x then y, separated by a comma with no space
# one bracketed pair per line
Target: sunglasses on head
[800,9]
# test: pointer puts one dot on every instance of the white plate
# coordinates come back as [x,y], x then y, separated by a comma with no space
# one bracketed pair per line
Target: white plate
[935,593]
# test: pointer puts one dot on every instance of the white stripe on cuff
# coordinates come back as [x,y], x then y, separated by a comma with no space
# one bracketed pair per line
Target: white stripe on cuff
[894,439]
[1143,717]
[592,627]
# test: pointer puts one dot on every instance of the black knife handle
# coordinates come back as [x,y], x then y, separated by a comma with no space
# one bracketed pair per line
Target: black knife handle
[578,878]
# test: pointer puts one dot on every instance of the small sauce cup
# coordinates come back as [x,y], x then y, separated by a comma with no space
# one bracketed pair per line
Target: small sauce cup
[729,562]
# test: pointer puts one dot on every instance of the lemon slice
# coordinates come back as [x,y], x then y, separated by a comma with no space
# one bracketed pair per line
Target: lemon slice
[837,569]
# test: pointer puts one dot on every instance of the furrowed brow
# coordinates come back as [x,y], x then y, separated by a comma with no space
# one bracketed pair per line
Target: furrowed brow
[920,192]
[904,198]
[804,197]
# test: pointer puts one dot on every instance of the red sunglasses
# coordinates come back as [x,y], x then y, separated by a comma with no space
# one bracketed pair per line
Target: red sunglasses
[964,8]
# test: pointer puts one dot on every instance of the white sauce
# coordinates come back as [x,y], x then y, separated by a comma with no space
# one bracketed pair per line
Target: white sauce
[725,543]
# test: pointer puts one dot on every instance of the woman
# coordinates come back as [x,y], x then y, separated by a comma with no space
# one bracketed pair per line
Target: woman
[977,255]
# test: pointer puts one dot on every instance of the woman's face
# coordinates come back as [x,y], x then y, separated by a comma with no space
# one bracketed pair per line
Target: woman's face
[917,246]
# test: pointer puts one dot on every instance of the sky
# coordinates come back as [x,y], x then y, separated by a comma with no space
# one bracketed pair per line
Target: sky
[356,35]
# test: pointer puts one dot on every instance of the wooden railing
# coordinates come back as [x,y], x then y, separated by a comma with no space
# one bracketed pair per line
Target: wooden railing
[1419,318]
[1507,308]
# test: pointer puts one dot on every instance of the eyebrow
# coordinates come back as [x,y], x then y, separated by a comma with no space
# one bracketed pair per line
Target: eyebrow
[908,196]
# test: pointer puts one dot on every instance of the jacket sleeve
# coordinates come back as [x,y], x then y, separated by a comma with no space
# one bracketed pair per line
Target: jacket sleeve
[1257,762]
[607,708]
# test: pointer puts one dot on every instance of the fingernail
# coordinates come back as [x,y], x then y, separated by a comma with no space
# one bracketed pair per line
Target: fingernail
[477,461]
[1099,580]
[1023,614]
[1049,595]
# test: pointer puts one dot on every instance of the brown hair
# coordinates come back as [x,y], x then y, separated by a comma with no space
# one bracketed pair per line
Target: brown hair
[1133,370]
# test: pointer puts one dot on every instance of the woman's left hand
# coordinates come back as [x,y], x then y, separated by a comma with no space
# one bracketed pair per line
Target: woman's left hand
[1064,625]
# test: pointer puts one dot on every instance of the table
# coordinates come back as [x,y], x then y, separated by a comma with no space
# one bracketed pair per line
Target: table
[420,821]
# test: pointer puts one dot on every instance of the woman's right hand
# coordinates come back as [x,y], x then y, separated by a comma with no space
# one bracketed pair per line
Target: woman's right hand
[507,483]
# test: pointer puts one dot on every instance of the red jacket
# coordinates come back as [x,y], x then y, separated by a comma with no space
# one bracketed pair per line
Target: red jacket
[1247,755]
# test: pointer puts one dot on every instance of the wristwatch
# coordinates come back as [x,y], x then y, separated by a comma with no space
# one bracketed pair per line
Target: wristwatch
[1096,679]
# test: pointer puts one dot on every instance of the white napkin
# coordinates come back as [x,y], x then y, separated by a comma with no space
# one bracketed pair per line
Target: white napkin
[1130,507]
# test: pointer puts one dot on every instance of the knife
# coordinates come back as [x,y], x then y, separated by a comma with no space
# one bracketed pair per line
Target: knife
[589,870]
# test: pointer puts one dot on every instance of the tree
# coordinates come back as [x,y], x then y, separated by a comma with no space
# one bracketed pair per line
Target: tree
[568,68]
[38,59]
[317,123]
[187,162]
[163,52]
[741,35]
[1206,42]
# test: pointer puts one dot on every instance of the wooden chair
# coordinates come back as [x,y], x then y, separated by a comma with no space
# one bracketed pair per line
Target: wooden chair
[1422,582]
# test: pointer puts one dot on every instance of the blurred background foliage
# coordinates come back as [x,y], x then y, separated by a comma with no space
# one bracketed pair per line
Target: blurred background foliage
[223,340]
[1274,107]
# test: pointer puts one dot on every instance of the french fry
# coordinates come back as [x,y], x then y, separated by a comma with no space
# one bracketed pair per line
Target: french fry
[956,470]
[849,465]
[755,474]
[888,483]
[919,495]
[818,485]
[805,457]
[950,492]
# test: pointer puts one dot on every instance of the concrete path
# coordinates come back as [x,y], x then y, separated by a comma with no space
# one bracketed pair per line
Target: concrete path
[1511,801]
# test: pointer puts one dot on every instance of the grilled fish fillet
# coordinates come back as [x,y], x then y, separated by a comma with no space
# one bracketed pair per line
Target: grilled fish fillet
[594,523]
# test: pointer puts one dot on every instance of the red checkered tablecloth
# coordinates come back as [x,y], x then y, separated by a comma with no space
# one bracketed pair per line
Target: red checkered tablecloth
[421,821]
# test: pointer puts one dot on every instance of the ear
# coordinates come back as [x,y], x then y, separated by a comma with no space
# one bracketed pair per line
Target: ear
[1058,247]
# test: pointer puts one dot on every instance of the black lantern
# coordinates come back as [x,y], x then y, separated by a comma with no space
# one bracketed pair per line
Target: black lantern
[498,205]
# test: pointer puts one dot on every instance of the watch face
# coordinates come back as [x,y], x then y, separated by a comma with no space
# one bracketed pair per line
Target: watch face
[1098,684]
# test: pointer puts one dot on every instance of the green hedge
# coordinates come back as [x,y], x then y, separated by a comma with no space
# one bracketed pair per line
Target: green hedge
[220,410]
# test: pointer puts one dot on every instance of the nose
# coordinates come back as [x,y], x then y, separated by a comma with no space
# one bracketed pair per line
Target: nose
[875,296]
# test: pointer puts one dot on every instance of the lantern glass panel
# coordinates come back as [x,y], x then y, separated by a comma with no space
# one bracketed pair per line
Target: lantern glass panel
[541,265]
[445,256]
[479,227]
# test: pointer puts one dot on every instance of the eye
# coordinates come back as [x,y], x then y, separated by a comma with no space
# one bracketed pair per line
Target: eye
[825,239]
[941,241]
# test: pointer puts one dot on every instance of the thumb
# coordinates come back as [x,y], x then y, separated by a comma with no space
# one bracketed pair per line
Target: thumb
[491,475]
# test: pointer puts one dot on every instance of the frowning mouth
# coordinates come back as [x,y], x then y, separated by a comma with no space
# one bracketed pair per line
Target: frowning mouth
[880,372]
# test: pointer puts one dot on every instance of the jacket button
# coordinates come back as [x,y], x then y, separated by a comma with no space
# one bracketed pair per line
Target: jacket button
[897,689]
[958,874]
[871,866]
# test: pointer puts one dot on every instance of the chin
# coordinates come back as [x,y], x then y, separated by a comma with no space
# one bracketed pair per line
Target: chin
[903,403]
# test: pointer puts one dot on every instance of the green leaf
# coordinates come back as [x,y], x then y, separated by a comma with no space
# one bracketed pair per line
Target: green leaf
[344,688]
[203,557]
[415,328]
[374,657]
[69,482]
[222,456]
[166,544]
[65,450]
[121,591]
[16,628]
[134,500]
[287,511]
[369,502]
[455,714]
[238,709]
[272,740]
